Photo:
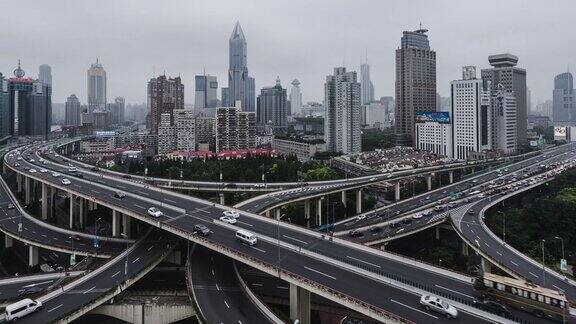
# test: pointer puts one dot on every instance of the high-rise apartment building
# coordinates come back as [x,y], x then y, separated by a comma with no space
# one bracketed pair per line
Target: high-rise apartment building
[471,118]
[73,110]
[512,78]
[367,88]
[240,84]
[184,125]
[45,74]
[166,134]
[342,124]
[503,118]
[206,131]
[415,83]
[28,105]
[564,98]
[295,98]
[96,87]
[272,108]
[119,111]
[164,96]
[235,129]
[205,94]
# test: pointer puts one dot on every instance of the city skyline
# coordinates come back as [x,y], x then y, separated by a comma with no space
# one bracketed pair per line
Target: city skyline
[130,62]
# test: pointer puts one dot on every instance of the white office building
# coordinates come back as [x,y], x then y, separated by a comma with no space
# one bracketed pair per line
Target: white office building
[504,110]
[295,98]
[471,124]
[435,137]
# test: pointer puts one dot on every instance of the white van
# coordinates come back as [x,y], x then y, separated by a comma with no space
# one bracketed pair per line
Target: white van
[22,308]
[246,237]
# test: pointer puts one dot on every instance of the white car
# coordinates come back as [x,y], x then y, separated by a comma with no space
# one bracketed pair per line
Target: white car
[231,213]
[228,219]
[417,216]
[155,212]
[360,217]
[66,182]
[32,170]
[43,170]
[55,174]
[438,305]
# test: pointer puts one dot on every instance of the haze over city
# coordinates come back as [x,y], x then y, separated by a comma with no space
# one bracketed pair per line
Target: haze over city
[295,39]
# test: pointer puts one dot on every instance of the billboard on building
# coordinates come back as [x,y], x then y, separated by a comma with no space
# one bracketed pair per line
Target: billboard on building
[559,133]
[433,116]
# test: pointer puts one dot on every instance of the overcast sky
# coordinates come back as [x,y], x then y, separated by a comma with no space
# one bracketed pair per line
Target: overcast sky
[302,39]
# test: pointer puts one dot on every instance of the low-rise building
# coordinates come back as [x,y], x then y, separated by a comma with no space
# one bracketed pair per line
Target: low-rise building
[304,150]
[97,146]
[434,137]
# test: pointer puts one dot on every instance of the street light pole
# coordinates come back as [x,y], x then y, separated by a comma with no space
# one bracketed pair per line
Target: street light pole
[278,238]
[543,265]
[125,262]
[503,226]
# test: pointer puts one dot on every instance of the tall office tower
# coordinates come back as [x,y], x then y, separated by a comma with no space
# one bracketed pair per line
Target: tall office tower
[205,95]
[272,108]
[4,111]
[45,74]
[564,98]
[342,124]
[367,88]
[529,107]
[235,129]
[166,134]
[295,98]
[205,131]
[225,102]
[29,105]
[505,72]
[73,110]
[504,121]
[471,131]
[120,106]
[415,83]
[184,125]
[240,84]
[96,87]
[164,96]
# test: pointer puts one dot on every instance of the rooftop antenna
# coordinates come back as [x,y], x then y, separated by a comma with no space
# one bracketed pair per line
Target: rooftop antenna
[366,55]
[204,70]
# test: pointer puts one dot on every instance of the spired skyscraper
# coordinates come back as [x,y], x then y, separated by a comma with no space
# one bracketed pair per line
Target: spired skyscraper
[240,84]
[367,87]
[415,83]
[96,87]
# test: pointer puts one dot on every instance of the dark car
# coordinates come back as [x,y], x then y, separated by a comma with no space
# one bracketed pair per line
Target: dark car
[119,194]
[471,211]
[127,176]
[79,175]
[493,307]
[230,185]
[202,230]
[29,291]
[355,233]
[75,237]
[95,169]
[375,229]
[407,220]
[394,225]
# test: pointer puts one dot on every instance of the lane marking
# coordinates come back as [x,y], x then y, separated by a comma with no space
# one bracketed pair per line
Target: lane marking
[319,272]
[139,206]
[241,222]
[212,271]
[119,186]
[225,302]
[514,263]
[170,200]
[533,274]
[366,262]
[294,239]
[150,248]
[217,288]
[257,249]
[136,260]
[55,308]
[412,308]
[37,284]
[95,191]
[257,284]
[143,193]
[89,290]
[454,291]
[282,287]
[500,254]
[114,275]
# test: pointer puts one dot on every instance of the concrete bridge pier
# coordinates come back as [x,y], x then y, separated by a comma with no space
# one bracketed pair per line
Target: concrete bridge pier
[277,213]
[8,241]
[299,304]
[343,198]
[451,176]
[27,190]
[126,225]
[429,182]
[359,201]
[319,211]
[437,229]
[397,191]
[71,220]
[19,182]
[82,212]
[222,200]
[485,265]
[307,212]
[465,251]
[32,255]
[116,222]
[44,201]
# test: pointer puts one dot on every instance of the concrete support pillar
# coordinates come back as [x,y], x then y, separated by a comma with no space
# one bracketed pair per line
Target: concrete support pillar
[116,223]
[299,304]
[343,198]
[465,251]
[222,200]
[44,201]
[126,225]
[267,213]
[27,190]
[437,228]
[8,241]
[81,207]
[319,212]
[71,209]
[397,191]
[358,201]
[4,168]
[19,182]
[307,212]
[429,182]
[32,255]
[277,214]
[451,175]
[486,265]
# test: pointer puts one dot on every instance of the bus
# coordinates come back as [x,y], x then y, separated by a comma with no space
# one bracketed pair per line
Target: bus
[523,295]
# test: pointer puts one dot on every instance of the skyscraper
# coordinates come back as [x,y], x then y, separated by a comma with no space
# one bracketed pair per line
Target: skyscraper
[45,74]
[367,88]
[235,129]
[512,78]
[164,96]
[29,105]
[471,124]
[564,98]
[96,87]
[73,110]
[342,124]
[4,105]
[415,83]
[240,84]
[116,111]
[272,107]
[503,117]
[295,98]
[205,95]
[184,125]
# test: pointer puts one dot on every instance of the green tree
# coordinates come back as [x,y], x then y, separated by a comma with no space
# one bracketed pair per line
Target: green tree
[321,173]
